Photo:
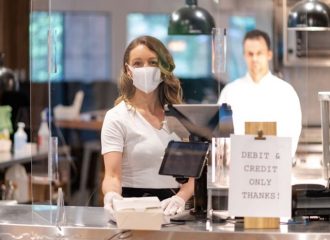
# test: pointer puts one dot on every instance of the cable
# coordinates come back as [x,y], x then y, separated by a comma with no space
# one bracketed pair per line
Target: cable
[122,235]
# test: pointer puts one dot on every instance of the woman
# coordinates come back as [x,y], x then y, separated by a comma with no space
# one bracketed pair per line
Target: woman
[134,134]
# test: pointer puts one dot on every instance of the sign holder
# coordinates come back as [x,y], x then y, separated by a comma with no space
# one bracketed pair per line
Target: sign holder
[261,129]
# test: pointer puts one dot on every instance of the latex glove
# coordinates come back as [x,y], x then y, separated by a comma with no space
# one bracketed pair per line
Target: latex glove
[108,203]
[172,205]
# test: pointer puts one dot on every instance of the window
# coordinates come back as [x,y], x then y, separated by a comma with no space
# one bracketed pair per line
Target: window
[238,26]
[39,25]
[192,54]
[80,46]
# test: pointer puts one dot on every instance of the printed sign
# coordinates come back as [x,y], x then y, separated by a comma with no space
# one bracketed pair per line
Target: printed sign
[260,177]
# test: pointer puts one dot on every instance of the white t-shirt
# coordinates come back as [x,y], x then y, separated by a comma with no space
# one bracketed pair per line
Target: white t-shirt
[272,99]
[126,130]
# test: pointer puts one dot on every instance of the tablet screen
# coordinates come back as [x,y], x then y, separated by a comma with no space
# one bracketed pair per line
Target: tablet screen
[184,159]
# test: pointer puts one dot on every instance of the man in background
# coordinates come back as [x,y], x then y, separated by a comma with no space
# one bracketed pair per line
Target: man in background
[260,96]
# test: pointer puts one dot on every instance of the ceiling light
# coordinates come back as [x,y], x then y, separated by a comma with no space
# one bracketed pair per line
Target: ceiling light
[191,20]
[309,14]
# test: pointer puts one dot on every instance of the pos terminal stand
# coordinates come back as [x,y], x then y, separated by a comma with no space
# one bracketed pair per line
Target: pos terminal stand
[188,159]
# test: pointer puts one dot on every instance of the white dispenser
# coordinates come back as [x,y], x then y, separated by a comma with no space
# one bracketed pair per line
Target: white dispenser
[20,140]
[43,133]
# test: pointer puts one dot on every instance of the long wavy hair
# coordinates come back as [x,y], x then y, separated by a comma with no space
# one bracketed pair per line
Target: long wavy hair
[169,90]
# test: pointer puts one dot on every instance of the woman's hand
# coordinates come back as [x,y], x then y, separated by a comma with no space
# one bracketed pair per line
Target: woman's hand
[108,203]
[173,205]
[176,203]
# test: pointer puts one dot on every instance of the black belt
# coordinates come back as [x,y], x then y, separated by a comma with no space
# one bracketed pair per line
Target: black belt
[161,193]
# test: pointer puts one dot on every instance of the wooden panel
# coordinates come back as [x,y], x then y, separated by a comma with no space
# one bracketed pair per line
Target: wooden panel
[268,128]
[1,23]
[15,33]
[261,223]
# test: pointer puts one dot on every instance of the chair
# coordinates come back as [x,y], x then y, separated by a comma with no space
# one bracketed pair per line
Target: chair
[85,196]
[72,111]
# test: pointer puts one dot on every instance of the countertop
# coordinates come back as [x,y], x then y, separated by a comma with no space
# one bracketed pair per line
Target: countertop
[39,222]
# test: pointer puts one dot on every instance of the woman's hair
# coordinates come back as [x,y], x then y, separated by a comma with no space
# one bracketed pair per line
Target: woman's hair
[169,90]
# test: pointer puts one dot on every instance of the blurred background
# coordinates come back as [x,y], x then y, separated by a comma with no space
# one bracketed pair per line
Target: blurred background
[54,49]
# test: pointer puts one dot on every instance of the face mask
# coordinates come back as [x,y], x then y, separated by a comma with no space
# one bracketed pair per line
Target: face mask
[146,79]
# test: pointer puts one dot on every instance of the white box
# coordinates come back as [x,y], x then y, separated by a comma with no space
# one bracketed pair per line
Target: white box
[143,213]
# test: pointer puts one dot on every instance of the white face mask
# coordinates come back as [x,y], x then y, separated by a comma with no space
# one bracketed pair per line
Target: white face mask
[146,79]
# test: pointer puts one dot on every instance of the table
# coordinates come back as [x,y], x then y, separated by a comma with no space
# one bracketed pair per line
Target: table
[80,124]
[92,120]
[8,159]
[39,173]
[87,121]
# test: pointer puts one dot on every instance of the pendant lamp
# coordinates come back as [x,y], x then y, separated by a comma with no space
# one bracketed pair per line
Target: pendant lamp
[8,81]
[309,14]
[190,20]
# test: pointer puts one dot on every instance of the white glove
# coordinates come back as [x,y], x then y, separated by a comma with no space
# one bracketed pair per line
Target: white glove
[172,205]
[108,203]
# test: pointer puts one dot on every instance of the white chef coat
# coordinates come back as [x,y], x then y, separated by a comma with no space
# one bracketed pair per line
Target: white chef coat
[271,99]
[126,130]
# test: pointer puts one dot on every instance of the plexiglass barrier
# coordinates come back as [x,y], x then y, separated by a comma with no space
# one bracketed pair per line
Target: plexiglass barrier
[57,33]
[218,178]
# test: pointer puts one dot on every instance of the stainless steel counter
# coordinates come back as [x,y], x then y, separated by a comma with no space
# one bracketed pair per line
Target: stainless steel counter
[38,222]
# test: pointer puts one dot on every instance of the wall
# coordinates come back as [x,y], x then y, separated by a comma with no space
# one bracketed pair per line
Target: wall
[14,35]
[307,80]
[118,10]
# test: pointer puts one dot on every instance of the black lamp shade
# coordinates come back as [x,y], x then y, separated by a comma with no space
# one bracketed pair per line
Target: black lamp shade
[7,77]
[190,20]
[309,13]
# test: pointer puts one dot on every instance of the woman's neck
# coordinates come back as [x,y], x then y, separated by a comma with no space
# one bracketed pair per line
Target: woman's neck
[146,102]
[149,107]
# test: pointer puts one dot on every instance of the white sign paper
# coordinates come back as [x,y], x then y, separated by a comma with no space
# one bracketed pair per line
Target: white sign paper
[260,177]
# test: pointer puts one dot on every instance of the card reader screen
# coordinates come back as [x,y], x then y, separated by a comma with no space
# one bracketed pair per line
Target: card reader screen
[184,159]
